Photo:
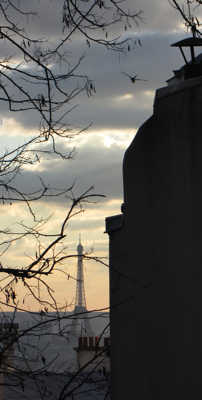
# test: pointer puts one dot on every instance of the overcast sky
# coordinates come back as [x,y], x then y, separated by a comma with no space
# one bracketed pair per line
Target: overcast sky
[116,111]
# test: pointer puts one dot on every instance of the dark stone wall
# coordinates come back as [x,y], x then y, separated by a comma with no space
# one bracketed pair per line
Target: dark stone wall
[157,327]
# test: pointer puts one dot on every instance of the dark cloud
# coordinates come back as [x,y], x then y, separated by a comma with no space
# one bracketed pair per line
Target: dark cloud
[108,109]
[157,15]
[94,165]
[154,61]
[160,15]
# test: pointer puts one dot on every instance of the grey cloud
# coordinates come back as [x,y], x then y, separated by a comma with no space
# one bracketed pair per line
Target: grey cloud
[154,61]
[157,14]
[87,224]
[160,14]
[94,165]
[119,116]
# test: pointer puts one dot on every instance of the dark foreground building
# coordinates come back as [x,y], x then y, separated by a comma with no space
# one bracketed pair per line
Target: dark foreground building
[156,253]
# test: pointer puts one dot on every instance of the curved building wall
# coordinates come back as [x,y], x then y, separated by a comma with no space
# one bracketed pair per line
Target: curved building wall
[156,254]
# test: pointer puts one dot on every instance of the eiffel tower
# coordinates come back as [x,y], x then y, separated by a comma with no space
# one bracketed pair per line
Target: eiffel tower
[80,322]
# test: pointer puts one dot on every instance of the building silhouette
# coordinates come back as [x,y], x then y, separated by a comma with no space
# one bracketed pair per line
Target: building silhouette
[156,250]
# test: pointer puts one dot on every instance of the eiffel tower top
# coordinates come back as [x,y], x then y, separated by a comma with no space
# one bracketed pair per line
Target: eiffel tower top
[80,247]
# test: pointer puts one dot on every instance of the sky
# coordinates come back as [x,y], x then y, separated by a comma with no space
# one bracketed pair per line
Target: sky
[115,112]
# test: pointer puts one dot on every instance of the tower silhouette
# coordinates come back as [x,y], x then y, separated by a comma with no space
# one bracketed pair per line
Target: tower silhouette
[80,320]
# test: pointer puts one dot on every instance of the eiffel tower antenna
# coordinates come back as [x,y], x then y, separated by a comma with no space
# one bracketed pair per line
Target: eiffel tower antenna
[80,322]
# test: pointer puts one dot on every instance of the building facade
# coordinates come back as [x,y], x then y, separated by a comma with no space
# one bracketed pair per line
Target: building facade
[156,254]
